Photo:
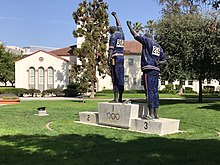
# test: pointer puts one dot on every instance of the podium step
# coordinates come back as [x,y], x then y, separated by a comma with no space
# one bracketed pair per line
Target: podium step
[89,117]
[117,114]
[160,126]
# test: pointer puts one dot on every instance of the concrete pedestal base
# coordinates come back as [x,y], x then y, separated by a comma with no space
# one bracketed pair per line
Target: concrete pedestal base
[129,116]
[89,117]
[160,126]
[42,113]
[117,114]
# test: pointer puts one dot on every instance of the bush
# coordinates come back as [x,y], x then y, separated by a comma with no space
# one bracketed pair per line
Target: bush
[208,89]
[106,91]
[72,90]
[168,91]
[16,91]
[177,86]
[32,92]
[169,88]
[54,91]
[8,96]
[188,90]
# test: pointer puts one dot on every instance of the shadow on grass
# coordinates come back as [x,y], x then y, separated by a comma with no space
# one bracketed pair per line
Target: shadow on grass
[98,150]
[215,107]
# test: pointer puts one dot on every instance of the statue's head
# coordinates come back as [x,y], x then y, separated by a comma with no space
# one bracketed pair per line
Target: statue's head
[113,29]
[148,35]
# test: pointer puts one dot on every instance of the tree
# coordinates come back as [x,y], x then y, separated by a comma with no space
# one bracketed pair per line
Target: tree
[138,27]
[92,21]
[215,3]
[191,44]
[7,66]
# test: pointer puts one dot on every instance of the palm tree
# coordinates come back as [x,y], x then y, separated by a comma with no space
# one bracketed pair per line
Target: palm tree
[138,27]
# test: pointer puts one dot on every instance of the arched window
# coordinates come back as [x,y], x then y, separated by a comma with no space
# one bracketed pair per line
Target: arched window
[50,78]
[41,78]
[31,78]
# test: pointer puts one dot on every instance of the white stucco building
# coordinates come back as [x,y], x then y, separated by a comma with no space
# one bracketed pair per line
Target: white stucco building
[41,70]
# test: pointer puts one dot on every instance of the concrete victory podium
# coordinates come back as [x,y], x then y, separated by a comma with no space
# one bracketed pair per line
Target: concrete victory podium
[128,116]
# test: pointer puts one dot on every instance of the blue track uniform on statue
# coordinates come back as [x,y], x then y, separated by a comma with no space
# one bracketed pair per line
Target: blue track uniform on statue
[151,58]
[116,59]
[151,54]
[116,43]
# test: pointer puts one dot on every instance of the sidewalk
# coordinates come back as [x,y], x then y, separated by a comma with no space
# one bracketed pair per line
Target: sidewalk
[81,99]
[57,98]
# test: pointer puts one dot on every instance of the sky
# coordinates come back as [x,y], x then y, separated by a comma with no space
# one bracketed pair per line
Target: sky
[49,22]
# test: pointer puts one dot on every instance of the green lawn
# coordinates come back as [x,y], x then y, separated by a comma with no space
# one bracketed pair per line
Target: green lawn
[25,140]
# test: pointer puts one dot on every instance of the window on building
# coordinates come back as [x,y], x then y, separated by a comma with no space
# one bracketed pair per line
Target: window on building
[190,82]
[41,79]
[183,82]
[134,81]
[50,78]
[31,78]
[126,79]
[130,62]
[208,81]
[170,82]
[162,82]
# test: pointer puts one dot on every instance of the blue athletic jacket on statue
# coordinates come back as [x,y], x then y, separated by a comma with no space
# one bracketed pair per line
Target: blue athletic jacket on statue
[116,42]
[151,52]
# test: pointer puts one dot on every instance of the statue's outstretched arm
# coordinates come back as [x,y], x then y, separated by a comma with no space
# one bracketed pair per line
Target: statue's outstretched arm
[116,19]
[131,29]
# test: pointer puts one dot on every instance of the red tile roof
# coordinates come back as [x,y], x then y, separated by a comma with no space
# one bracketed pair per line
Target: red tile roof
[132,47]
[67,51]
[52,54]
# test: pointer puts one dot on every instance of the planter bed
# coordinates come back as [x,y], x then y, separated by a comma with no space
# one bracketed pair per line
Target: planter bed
[9,101]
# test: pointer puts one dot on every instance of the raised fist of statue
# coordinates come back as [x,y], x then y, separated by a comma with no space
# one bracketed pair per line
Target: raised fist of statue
[129,23]
[114,13]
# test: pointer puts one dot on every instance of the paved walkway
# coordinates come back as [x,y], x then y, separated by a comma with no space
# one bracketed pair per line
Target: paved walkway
[75,98]
[57,98]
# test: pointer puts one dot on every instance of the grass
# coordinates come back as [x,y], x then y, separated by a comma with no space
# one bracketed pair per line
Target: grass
[24,138]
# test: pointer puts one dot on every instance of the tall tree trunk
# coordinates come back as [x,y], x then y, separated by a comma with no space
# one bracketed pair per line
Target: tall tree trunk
[200,90]
[92,89]
[180,87]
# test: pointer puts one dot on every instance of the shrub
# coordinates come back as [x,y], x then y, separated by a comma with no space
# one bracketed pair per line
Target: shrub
[16,91]
[177,86]
[72,90]
[188,90]
[169,86]
[32,92]
[54,91]
[208,89]
[168,91]
[106,91]
[8,96]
